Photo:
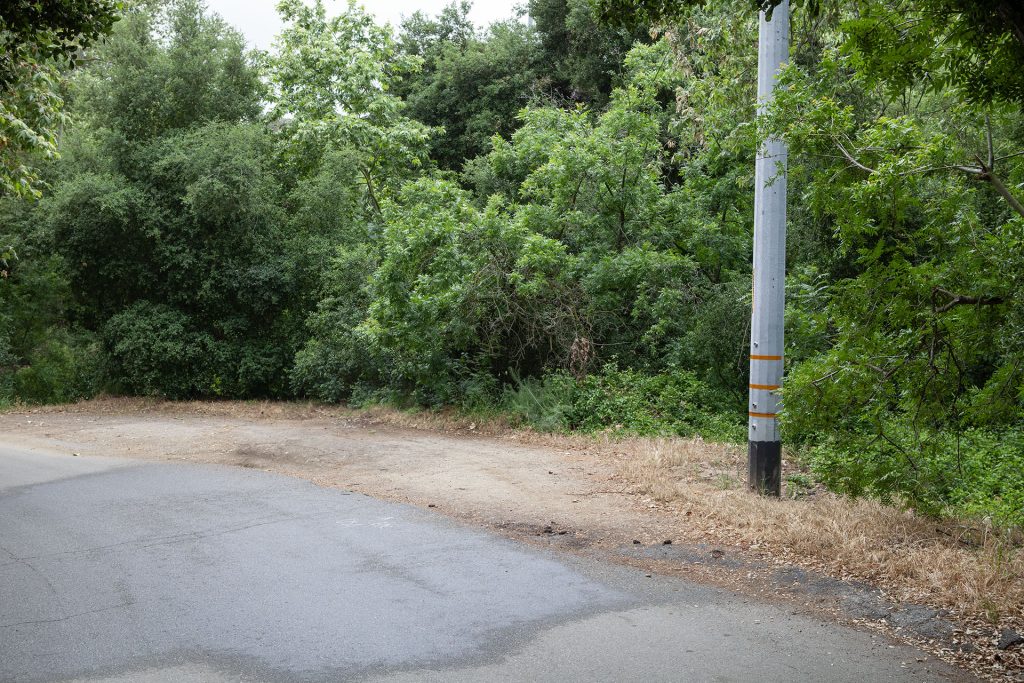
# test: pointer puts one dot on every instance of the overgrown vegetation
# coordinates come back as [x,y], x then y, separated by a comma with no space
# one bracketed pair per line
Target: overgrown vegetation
[552,222]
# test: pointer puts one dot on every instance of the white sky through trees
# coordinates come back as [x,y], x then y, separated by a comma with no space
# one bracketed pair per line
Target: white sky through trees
[258,20]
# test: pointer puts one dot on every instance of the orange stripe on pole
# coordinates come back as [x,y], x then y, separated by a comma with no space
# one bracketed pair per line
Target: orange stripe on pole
[771,415]
[755,357]
[768,387]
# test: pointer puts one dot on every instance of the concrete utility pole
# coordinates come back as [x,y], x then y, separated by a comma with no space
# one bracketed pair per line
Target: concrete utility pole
[766,325]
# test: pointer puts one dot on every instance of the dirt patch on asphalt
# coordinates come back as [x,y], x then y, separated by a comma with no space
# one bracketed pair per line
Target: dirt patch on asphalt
[664,505]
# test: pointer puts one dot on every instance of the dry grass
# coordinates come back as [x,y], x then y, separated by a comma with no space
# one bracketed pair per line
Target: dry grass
[956,565]
[441,421]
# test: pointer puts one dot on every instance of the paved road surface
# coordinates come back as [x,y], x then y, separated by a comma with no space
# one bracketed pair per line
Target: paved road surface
[117,570]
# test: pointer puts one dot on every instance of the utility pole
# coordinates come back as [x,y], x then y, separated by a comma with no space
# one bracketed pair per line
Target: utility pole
[769,290]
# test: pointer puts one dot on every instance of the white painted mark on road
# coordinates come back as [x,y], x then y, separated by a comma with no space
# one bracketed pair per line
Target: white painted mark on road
[378,523]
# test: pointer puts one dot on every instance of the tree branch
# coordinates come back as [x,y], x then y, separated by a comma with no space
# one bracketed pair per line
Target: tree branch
[1003,191]
[370,192]
[982,171]
[849,157]
[988,135]
[962,300]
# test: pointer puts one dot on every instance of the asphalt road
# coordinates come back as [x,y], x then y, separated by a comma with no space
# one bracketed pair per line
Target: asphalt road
[117,570]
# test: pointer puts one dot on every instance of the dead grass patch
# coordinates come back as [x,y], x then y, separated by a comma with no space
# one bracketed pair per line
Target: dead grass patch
[956,565]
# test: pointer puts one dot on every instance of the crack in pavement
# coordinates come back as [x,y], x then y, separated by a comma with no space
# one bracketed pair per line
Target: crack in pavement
[69,616]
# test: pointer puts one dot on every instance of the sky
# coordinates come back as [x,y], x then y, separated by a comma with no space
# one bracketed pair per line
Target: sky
[258,20]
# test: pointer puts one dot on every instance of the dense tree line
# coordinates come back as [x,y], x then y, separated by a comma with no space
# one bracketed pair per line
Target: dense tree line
[552,221]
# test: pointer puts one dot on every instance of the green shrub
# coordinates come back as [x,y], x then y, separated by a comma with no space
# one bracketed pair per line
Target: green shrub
[337,357]
[626,401]
[480,392]
[545,404]
[7,361]
[153,349]
[63,370]
[978,473]
[671,403]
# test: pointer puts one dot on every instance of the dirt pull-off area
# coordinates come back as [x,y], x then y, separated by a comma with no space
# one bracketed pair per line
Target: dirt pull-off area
[671,506]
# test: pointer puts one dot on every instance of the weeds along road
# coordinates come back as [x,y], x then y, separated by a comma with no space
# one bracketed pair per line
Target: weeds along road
[123,570]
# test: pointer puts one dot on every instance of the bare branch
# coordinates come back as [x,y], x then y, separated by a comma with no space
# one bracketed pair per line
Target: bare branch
[962,300]
[1004,192]
[1010,156]
[849,157]
[1011,199]
[982,171]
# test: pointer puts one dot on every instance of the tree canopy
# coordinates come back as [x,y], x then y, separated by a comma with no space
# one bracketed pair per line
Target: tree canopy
[39,41]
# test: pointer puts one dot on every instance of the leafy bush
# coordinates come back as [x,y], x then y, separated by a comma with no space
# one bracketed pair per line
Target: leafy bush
[675,403]
[153,349]
[63,370]
[8,360]
[626,401]
[544,404]
[338,358]
[458,291]
[980,473]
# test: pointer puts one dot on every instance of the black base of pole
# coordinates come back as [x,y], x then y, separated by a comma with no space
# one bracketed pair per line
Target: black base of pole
[765,467]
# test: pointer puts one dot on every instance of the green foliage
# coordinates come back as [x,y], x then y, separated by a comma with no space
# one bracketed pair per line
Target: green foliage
[169,218]
[7,256]
[542,403]
[58,29]
[62,370]
[642,12]
[976,472]
[39,41]
[667,12]
[471,87]
[458,289]
[8,361]
[584,58]
[584,247]
[338,359]
[102,223]
[200,232]
[30,116]
[42,359]
[163,70]
[671,403]
[332,80]
[625,402]
[975,47]
[572,249]
[424,36]
[472,84]
[154,350]
[914,352]
[332,70]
